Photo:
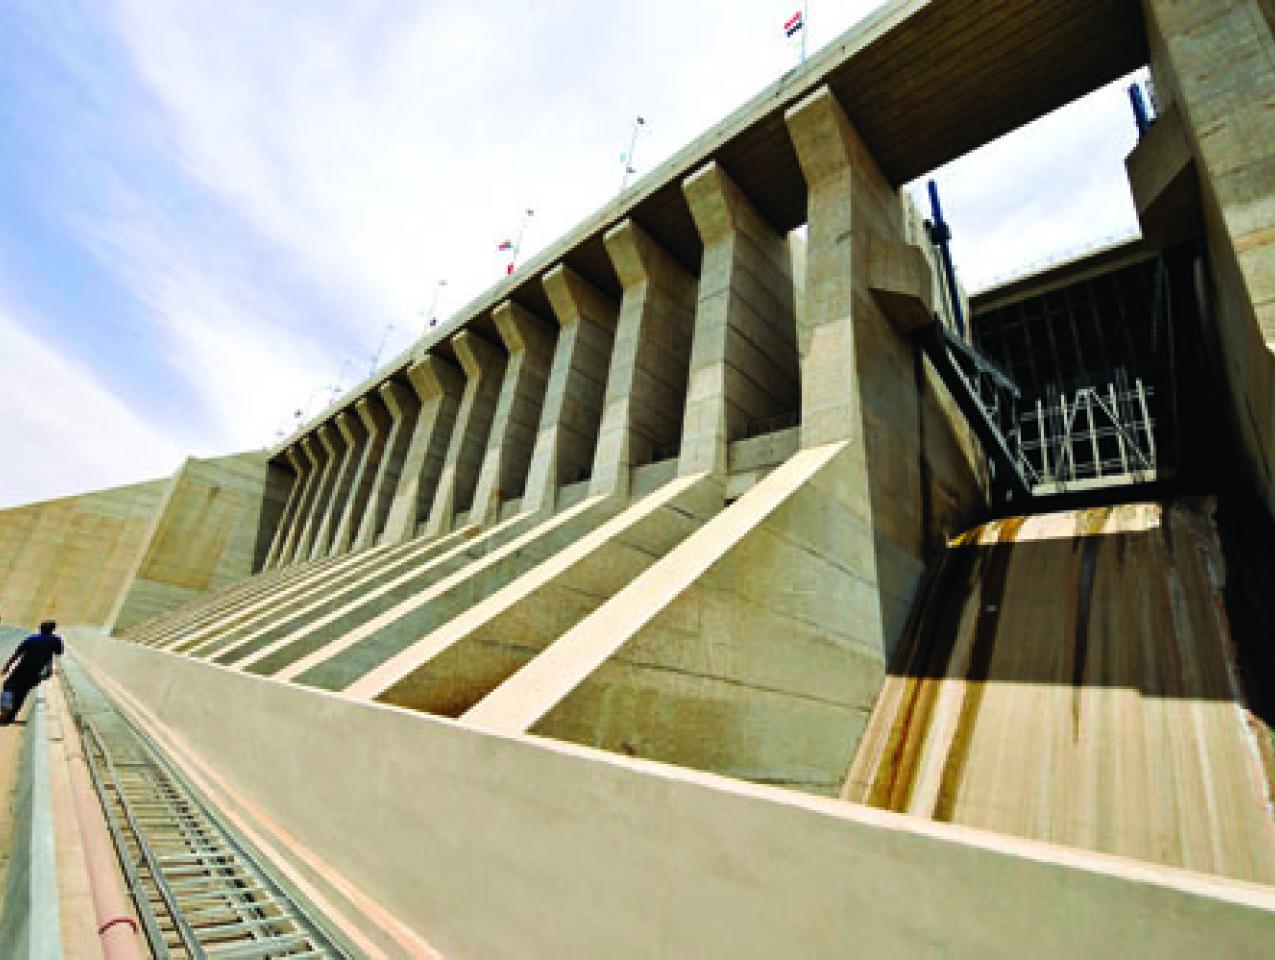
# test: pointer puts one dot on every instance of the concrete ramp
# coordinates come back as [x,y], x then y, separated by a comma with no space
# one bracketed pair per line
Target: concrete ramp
[335,656]
[1072,678]
[744,651]
[453,667]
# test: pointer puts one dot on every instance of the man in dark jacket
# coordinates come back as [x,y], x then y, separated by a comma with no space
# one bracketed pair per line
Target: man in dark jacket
[33,659]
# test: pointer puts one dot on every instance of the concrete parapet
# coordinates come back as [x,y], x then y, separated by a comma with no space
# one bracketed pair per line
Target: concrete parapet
[530,345]
[743,367]
[439,387]
[645,398]
[572,413]
[484,368]
[750,870]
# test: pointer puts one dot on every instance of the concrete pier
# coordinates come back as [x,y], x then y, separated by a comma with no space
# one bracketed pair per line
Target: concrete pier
[438,387]
[529,343]
[375,423]
[305,506]
[744,353]
[327,452]
[572,413]
[403,410]
[646,384]
[353,439]
[484,368]
[301,473]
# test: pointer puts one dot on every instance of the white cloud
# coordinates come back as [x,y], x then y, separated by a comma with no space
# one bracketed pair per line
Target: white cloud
[289,179]
[225,333]
[65,431]
[1045,192]
[386,150]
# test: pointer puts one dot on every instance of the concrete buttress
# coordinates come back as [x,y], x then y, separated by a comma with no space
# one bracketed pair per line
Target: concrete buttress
[858,380]
[438,387]
[1215,62]
[375,422]
[301,473]
[743,356]
[315,457]
[354,438]
[646,386]
[484,367]
[334,454]
[572,412]
[402,408]
[530,344]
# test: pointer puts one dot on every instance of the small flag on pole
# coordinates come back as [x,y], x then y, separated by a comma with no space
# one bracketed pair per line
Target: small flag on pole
[506,245]
[509,269]
[793,24]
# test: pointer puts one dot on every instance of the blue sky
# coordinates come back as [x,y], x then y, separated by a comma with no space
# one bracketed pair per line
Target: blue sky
[215,212]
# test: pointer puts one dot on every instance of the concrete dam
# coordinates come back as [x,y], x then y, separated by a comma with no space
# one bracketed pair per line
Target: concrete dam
[729,581]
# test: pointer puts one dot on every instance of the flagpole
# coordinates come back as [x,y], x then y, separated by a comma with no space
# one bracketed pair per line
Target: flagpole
[380,347]
[628,157]
[521,230]
[433,304]
[805,28]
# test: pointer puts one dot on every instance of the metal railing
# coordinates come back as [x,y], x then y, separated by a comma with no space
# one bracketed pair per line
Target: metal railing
[1097,433]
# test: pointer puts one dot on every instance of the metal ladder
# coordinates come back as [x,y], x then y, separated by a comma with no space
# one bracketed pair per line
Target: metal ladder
[199,893]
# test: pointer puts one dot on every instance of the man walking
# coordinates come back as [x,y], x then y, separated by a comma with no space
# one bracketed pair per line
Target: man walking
[33,659]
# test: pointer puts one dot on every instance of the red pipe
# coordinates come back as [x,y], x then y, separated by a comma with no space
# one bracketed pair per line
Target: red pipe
[111,905]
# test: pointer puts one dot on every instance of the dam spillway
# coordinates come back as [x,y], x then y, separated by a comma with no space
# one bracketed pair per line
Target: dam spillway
[707,586]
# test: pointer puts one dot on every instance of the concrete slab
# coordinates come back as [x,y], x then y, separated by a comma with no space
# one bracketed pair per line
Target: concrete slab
[749,871]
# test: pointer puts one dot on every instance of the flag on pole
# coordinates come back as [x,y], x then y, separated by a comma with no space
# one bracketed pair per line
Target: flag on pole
[793,24]
[509,269]
[506,245]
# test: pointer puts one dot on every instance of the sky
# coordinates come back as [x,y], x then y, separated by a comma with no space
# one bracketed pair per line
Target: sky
[213,215]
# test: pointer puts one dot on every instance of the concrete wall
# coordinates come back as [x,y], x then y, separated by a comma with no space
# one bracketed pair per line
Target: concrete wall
[498,846]
[1214,62]
[214,527]
[68,559]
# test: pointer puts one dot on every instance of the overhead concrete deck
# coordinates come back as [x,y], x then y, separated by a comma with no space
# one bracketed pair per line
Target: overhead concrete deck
[923,81]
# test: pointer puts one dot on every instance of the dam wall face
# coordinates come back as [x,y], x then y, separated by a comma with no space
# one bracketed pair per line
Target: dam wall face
[1214,70]
[722,485]
[699,509]
[212,529]
[69,559]
[114,557]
